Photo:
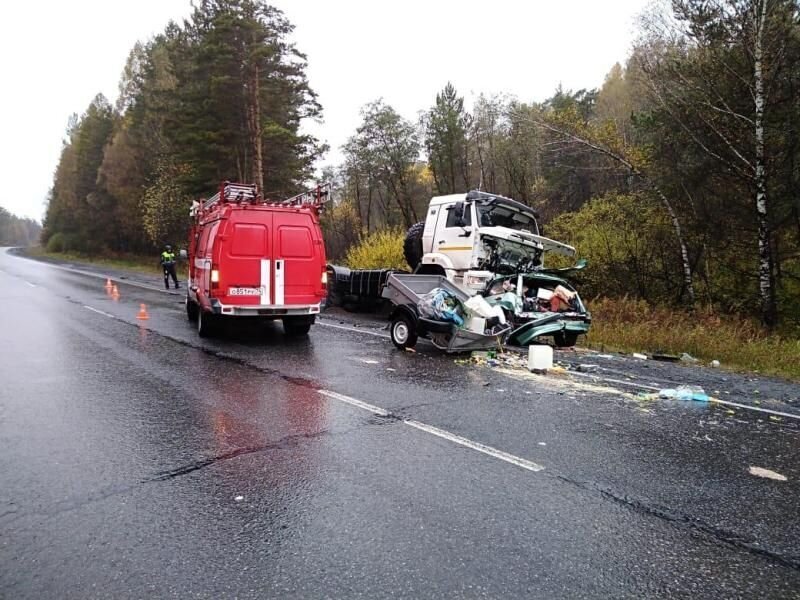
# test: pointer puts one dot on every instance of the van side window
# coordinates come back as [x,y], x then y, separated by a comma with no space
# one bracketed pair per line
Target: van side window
[203,243]
[451,217]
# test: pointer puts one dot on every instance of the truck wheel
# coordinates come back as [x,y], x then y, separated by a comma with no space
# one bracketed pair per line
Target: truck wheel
[565,339]
[297,326]
[206,323]
[403,332]
[192,309]
[412,245]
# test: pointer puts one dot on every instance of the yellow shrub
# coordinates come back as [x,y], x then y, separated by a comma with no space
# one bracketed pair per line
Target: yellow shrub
[379,250]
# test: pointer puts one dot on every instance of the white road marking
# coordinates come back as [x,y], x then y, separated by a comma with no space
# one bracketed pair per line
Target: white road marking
[618,381]
[482,448]
[99,312]
[354,402]
[777,413]
[440,433]
[101,276]
[364,331]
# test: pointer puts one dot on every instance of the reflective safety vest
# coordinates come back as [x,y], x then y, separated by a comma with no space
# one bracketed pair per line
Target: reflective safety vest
[167,257]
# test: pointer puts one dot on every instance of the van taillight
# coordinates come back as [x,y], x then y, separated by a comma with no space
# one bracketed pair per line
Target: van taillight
[214,277]
[324,278]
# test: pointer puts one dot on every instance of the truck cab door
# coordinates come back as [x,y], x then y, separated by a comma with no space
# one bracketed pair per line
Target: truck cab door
[455,234]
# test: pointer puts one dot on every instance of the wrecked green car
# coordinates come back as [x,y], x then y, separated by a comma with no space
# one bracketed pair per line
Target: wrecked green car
[541,304]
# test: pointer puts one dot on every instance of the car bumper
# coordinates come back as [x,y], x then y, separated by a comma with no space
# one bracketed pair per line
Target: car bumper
[528,332]
[250,310]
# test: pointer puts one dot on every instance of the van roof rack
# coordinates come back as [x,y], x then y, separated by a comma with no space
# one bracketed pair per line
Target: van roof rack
[248,192]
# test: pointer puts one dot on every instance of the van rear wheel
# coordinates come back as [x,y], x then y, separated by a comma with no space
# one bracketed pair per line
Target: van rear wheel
[206,323]
[192,309]
[297,326]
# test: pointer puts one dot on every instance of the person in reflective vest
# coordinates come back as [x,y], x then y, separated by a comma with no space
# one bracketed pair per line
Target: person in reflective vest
[168,264]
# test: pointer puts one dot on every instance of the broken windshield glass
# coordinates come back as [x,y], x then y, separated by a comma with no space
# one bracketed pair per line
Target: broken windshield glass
[497,215]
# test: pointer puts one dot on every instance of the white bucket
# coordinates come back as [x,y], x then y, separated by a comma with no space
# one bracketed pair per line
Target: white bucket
[540,358]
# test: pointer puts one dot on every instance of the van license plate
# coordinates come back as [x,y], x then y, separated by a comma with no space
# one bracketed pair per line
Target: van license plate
[242,291]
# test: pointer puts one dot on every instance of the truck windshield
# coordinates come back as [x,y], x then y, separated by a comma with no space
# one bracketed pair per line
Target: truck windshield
[498,215]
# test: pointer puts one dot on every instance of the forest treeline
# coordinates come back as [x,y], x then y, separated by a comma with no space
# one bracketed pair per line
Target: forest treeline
[16,231]
[678,178]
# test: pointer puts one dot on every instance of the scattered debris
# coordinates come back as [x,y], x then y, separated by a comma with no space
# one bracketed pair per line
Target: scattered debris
[685,392]
[411,350]
[588,368]
[767,474]
[666,357]
[540,358]
[639,356]
[542,443]
[239,498]
[369,362]
[686,357]
[391,369]
[607,356]
[714,364]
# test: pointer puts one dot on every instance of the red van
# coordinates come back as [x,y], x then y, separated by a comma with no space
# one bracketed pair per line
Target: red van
[249,257]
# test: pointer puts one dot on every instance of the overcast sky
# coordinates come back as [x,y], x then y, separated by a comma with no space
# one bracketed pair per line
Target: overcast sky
[56,55]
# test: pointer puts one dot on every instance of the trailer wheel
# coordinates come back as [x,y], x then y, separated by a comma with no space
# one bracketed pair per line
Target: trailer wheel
[403,332]
[565,339]
[192,309]
[412,245]
[297,326]
[206,323]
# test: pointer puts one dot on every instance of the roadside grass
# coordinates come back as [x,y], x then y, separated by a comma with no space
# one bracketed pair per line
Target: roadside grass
[740,344]
[131,262]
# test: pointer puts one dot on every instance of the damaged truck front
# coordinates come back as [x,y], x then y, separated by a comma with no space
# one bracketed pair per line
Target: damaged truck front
[491,245]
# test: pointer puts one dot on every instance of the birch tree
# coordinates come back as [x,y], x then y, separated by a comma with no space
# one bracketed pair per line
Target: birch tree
[712,67]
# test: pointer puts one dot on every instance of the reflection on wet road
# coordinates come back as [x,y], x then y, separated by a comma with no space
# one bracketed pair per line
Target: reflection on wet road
[137,459]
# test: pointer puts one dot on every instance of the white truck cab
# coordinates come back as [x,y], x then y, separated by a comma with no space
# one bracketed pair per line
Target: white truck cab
[472,238]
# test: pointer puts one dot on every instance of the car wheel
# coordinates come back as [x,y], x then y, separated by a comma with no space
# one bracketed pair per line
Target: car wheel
[403,332]
[565,339]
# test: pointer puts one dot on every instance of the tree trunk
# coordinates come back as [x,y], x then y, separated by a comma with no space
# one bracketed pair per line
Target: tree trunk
[255,127]
[765,259]
[676,226]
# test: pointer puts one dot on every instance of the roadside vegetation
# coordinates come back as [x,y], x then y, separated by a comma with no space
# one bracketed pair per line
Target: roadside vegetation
[677,178]
[148,265]
[739,343]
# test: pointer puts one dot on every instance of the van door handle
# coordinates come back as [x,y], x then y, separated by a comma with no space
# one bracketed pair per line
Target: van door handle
[441,241]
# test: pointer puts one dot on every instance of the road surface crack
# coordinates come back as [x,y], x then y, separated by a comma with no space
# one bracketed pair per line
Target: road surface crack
[726,536]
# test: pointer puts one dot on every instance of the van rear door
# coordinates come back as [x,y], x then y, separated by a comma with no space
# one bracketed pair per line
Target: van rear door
[246,265]
[298,264]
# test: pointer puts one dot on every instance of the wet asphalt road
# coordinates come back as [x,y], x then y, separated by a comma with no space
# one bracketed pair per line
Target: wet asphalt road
[138,460]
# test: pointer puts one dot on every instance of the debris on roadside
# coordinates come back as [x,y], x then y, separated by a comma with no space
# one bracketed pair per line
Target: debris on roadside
[714,364]
[685,392]
[666,357]
[540,358]
[686,357]
[586,368]
[767,474]
[639,356]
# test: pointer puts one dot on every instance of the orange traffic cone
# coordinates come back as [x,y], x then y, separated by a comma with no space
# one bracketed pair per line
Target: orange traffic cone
[142,313]
[115,293]
[108,285]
